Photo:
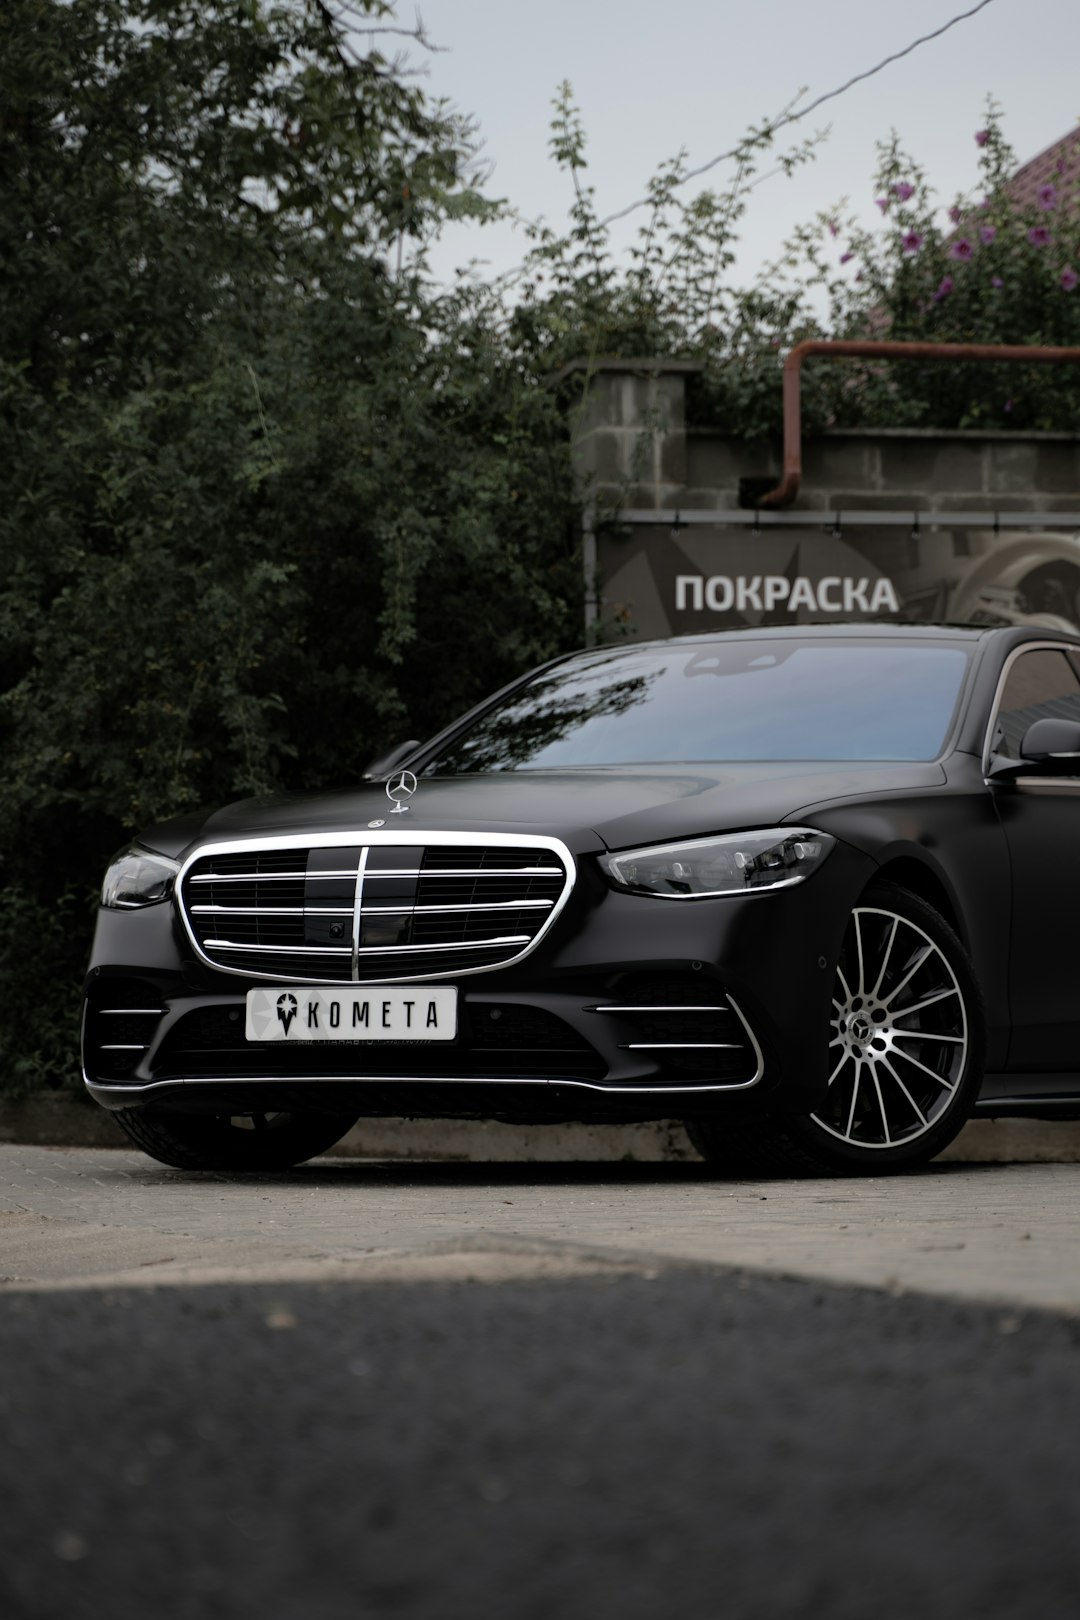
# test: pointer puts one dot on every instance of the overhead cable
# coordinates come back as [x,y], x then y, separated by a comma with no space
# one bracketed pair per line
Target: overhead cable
[794,117]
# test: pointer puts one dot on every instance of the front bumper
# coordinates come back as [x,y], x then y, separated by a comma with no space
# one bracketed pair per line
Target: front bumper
[631,1008]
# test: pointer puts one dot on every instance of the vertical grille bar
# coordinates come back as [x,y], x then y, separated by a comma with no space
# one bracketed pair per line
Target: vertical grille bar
[358,901]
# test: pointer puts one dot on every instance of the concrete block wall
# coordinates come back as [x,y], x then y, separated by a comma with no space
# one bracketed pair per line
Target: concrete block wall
[633,448]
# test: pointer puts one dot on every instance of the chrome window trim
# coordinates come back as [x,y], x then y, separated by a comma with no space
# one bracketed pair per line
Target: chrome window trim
[1018,652]
[366,839]
[1047,784]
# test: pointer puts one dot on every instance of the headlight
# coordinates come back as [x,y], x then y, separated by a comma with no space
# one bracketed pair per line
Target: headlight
[137,878]
[736,863]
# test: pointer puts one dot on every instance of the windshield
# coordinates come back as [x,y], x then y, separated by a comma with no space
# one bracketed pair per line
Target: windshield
[735,699]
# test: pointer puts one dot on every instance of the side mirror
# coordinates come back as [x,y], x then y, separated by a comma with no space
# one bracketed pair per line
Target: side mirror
[383,764]
[1049,740]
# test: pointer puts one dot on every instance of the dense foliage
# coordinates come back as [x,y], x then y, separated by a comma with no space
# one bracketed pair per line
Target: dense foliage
[259,480]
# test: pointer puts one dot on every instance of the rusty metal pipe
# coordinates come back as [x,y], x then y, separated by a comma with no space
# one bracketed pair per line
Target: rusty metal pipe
[843,349]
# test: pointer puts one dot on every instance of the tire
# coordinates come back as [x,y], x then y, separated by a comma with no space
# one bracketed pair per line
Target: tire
[263,1141]
[907,1039]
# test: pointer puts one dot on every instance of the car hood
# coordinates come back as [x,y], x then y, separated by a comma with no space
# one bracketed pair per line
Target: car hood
[608,806]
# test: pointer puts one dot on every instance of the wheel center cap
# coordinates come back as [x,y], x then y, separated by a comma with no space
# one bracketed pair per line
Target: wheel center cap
[860,1028]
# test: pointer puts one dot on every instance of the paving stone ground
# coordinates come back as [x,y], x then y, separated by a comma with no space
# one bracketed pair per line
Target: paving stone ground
[93,1217]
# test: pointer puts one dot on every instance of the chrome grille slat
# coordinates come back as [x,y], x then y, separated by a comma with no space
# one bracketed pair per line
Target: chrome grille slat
[279,950]
[664,1007]
[477,905]
[682,1046]
[375,906]
[370,911]
[391,872]
[271,911]
[366,950]
[260,877]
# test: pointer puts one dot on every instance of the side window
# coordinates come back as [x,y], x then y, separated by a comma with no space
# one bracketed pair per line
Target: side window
[1040,685]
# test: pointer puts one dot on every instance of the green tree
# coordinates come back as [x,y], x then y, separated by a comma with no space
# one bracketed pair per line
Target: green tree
[260,479]
[673,292]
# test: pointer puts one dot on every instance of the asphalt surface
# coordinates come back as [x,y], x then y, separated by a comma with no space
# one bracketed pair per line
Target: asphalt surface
[539,1393]
[693,1443]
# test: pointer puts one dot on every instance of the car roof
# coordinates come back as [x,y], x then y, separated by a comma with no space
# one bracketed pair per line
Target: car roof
[892,630]
[1005,636]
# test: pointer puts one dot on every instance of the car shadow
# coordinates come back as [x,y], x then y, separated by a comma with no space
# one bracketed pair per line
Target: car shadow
[496,1174]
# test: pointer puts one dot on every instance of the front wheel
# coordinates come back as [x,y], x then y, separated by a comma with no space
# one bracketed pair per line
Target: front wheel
[906,1042]
[256,1141]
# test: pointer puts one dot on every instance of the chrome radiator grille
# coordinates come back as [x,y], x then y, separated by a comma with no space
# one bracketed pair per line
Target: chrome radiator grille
[324,910]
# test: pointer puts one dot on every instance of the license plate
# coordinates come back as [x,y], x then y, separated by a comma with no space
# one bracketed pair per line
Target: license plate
[413,1012]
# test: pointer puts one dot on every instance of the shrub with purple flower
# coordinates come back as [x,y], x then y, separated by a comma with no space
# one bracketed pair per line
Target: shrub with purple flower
[988,268]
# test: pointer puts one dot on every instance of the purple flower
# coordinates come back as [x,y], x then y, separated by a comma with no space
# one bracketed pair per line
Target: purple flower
[955,214]
[1069,278]
[883,204]
[961,249]
[1060,165]
[1039,236]
[996,281]
[945,287]
[844,257]
[987,234]
[901,190]
[834,229]
[1008,404]
[981,137]
[1048,197]
[912,242]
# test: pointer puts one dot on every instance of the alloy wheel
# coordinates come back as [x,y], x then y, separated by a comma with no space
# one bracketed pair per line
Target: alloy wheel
[899,1033]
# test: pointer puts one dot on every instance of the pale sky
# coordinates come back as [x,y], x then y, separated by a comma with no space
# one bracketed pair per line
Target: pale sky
[651,77]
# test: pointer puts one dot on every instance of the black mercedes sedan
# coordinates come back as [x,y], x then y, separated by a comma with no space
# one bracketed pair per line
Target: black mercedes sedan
[812,889]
